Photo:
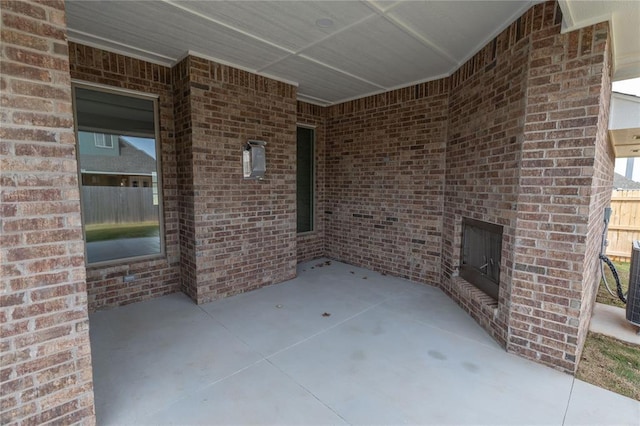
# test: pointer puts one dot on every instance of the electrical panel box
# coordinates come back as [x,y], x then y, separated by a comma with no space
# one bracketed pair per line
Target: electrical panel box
[254,160]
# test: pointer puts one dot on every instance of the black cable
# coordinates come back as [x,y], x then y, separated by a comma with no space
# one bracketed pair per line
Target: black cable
[614,272]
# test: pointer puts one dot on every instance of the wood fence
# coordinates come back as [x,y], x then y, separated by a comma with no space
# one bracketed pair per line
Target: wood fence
[624,226]
[114,204]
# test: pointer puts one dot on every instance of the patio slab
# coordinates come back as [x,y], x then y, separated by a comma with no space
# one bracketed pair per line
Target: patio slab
[337,345]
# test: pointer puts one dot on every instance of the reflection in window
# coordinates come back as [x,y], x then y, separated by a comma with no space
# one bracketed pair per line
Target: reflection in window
[118,162]
[103,141]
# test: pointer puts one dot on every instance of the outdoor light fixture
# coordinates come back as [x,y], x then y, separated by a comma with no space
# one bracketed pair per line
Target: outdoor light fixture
[254,160]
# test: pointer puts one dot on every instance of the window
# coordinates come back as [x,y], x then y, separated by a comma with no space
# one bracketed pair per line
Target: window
[304,179]
[119,168]
[102,140]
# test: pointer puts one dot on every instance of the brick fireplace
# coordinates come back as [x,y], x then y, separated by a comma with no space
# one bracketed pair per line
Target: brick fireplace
[516,137]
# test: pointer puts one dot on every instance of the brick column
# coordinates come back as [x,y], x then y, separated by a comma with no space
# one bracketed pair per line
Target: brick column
[184,154]
[565,169]
[236,235]
[45,366]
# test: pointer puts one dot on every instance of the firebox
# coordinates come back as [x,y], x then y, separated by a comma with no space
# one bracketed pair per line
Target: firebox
[481,255]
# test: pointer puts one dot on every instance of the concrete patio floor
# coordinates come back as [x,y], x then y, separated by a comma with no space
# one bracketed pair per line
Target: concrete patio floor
[389,352]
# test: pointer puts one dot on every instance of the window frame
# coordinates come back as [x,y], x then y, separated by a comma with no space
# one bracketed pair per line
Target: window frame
[155,99]
[313,178]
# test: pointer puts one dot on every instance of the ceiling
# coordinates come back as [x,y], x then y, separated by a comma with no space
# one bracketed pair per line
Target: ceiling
[332,50]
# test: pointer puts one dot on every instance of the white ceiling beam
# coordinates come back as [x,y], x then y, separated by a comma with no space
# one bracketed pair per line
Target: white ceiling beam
[240,67]
[338,70]
[419,37]
[314,100]
[98,42]
[384,13]
[320,40]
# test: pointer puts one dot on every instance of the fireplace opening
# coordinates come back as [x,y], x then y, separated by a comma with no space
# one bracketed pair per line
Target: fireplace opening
[481,255]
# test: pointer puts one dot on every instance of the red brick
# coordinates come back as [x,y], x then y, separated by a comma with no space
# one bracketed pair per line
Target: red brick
[20,412]
[26,72]
[32,26]
[25,9]
[35,195]
[27,134]
[25,103]
[35,309]
[44,91]
[32,224]
[38,167]
[14,329]
[53,236]
[42,120]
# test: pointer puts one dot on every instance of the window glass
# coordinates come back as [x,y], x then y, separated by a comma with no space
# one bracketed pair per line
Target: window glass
[304,187]
[119,168]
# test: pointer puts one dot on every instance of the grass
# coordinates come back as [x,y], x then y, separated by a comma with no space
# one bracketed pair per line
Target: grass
[611,364]
[623,272]
[117,231]
[607,362]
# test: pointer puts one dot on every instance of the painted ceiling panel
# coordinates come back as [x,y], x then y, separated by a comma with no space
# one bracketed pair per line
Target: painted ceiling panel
[291,24]
[335,50]
[170,31]
[455,26]
[320,82]
[381,53]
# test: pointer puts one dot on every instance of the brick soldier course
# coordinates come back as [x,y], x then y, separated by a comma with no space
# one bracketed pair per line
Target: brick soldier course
[516,136]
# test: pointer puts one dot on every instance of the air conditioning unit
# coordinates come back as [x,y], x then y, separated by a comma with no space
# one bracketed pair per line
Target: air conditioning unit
[633,296]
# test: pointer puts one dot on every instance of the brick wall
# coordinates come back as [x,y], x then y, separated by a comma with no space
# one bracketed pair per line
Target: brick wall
[385,181]
[310,245]
[244,230]
[517,137]
[160,275]
[563,191]
[604,163]
[182,111]
[184,157]
[486,119]
[45,362]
